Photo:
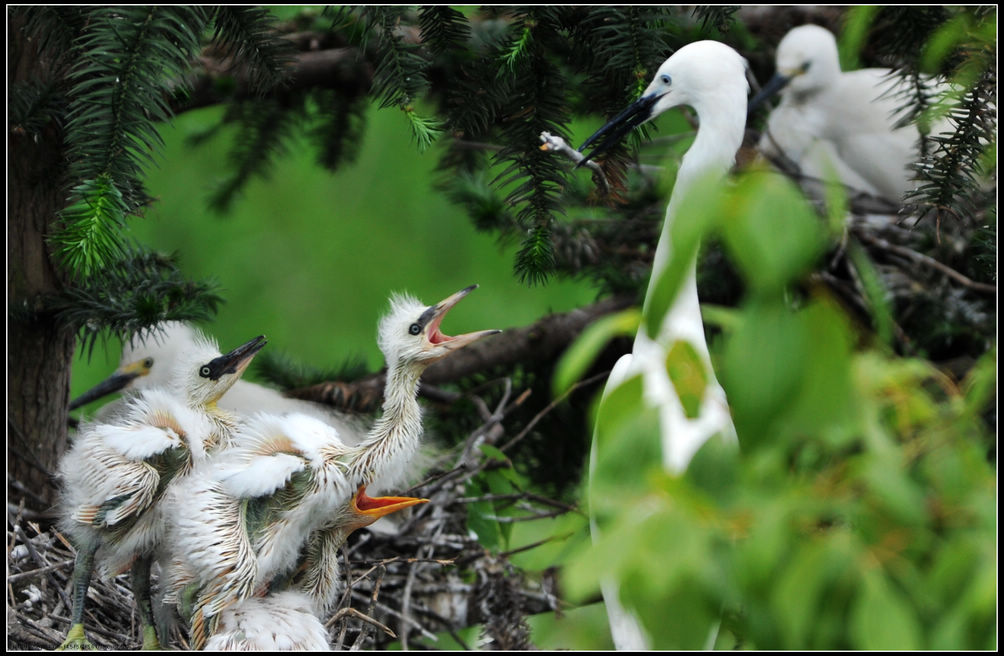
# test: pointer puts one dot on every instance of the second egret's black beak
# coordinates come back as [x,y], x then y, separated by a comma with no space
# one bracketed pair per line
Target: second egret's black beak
[114,383]
[233,362]
[773,85]
[634,115]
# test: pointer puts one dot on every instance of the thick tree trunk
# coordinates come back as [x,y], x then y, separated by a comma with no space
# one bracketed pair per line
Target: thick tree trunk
[39,352]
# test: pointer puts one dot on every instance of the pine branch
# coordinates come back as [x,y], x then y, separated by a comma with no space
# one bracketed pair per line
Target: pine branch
[138,291]
[284,372]
[719,17]
[341,121]
[265,130]
[534,104]
[248,36]
[34,105]
[127,56]
[443,28]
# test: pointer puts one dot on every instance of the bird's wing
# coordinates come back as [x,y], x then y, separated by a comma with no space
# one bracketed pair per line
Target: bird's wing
[128,488]
[138,441]
[259,475]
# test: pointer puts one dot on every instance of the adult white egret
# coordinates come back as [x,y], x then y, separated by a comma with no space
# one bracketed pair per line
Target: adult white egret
[847,120]
[148,359]
[291,481]
[116,474]
[711,78]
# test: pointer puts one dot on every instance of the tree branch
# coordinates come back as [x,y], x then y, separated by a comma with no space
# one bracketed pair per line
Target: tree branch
[215,81]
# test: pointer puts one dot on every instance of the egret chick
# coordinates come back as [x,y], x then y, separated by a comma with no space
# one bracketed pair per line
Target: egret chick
[116,474]
[277,622]
[710,77]
[844,120]
[291,478]
[148,360]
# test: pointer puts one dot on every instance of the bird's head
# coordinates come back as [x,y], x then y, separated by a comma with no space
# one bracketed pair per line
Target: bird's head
[410,332]
[806,62]
[146,361]
[202,375]
[364,509]
[703,75]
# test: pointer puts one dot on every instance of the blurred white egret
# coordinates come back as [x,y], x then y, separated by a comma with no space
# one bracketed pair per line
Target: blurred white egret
[147,361]
[291,482]
[710,77]
[844,120]
[116,474]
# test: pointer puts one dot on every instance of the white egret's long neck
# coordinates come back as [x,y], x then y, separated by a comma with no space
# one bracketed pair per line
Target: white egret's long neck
[394,438]
[712,154]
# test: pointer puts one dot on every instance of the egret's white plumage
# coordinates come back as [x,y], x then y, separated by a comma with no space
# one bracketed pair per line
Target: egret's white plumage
[710,77]
[116,474]
[290,482]
[112,472]
[829,119]
[284,621]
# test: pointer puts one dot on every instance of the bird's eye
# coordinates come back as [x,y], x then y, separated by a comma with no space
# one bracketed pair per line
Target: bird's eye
[414,329]
[205,371]
[666,79]
[148,363]
[805,66]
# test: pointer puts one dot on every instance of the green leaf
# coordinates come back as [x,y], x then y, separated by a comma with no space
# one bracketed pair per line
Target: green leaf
[771,247]
[578,357]
[626,445]
[763,368]
[479,518]
[856,24]
[874,291]
[882,619]
[689,378]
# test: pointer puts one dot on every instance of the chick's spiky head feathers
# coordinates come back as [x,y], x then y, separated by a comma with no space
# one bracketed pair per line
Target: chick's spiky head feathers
[202,374]
[410,331]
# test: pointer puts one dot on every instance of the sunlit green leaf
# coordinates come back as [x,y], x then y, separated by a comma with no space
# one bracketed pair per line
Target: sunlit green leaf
[584,350]
[689,378]
[771,247]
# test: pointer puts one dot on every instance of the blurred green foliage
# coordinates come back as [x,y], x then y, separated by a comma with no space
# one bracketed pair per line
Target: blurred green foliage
[860,509]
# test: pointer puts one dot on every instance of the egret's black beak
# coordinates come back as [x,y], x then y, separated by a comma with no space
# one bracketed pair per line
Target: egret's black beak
[233,362]
[634,115]
[114,383]
[773,85]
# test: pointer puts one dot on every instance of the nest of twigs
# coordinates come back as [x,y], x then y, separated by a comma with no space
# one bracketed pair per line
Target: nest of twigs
[404,585]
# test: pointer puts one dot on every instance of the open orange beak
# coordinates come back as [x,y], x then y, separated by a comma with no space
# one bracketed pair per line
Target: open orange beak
[446,343]
[373,508]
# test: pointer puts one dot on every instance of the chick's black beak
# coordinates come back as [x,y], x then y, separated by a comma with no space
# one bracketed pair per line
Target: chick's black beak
[773,85]
[634,115]
[234,361]
[114,383]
